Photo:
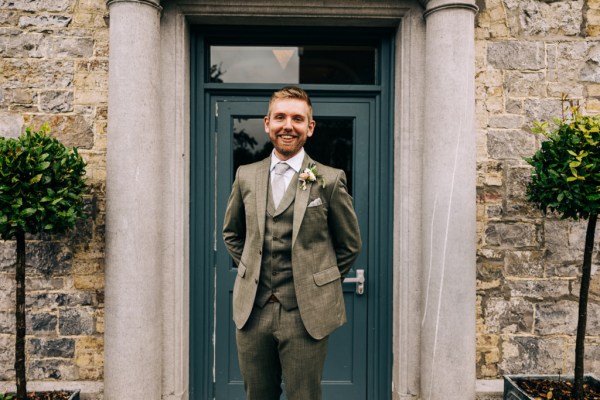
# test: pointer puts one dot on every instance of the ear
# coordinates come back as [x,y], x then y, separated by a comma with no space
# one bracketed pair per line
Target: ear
[266,123]
[311,128]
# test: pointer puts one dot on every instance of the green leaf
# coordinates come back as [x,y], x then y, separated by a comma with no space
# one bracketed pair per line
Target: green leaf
[42,166]
[36,178]
[28,212]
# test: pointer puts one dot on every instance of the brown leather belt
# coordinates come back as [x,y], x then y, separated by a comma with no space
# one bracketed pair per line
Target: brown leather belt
[273,299]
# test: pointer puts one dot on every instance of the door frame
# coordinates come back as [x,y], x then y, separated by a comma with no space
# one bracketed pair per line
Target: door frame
[203,237]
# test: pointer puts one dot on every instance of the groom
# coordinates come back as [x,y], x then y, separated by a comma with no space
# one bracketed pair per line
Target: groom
[292,231]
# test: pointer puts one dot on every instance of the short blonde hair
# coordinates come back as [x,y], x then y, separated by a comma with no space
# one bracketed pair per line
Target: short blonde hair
[291,92]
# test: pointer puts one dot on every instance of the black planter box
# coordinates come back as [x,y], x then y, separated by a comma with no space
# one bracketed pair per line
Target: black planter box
[513,392]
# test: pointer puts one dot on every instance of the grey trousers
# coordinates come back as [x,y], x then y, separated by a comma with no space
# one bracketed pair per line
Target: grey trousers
[274,342]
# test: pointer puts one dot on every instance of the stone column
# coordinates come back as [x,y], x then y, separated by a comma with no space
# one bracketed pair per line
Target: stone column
[449,242]
[133,348]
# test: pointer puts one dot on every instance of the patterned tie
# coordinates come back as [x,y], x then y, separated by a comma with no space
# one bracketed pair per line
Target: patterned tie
[278,182]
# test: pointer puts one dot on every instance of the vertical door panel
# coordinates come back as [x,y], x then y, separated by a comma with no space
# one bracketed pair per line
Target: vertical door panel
[341,140]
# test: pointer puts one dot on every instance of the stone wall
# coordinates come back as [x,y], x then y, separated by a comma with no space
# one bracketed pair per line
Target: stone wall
[528,52]
[54,68]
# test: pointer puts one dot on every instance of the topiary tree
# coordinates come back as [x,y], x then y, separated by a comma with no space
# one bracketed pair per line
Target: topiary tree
[566,179]
[42,188]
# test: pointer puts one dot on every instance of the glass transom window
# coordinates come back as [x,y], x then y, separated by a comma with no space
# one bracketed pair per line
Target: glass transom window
[307,64]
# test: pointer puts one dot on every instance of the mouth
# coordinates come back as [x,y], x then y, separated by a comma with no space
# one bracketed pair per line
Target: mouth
[287,136]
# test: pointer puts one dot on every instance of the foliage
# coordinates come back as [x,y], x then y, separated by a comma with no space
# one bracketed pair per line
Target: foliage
[566,170]
[566,179]
[41,184]
[6,397]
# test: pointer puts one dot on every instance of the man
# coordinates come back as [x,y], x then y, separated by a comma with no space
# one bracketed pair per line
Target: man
[292,231]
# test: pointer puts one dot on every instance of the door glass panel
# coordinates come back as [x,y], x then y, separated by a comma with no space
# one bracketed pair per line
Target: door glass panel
[293,64]
[331,143]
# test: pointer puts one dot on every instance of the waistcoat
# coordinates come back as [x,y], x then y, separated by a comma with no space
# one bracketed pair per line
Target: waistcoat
[276,267]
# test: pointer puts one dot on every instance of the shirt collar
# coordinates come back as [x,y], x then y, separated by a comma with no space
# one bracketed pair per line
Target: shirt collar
[294,162]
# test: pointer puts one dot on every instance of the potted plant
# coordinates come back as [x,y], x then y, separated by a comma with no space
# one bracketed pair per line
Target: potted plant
[566,180]
[42,188]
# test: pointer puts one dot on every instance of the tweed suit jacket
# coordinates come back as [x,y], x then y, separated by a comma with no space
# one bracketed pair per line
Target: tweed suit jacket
[325,242]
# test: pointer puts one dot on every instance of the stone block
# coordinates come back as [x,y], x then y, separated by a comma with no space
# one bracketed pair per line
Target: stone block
[590,72]
[87,282]
[574,91]
[15,43]
[53,300]
[532,355]
[11,124]
[558,18]
[90,357]
[8,17]
[45,283]
[71,130]
[31,74]
[525,84]
[56,348]
[524,264]
[511,235]
[514,106]
[76,321]
[52,369]
[542,110]
[510,144]
[67,47]
[36,5]
[560,317]
[539,289]
[517,179]
[56,101]
[565,60]
[513,55]
[7,322]
[7,291]
[508,316]
[40,323]
[506,121]
[44,21]
[564,241]
[48,258]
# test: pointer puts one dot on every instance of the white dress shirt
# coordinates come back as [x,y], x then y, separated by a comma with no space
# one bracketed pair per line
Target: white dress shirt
[295,163]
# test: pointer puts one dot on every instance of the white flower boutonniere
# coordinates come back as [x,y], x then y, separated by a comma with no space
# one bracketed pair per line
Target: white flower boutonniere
[310,174]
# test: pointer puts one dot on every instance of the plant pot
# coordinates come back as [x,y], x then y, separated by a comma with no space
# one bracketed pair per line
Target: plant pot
[512,391]
[75,395]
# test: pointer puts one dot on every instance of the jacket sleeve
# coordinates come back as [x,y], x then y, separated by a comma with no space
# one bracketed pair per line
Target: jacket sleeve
[234,224]
[343,225]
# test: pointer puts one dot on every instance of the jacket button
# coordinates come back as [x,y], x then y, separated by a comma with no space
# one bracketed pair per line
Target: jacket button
[256,281]
[259,252]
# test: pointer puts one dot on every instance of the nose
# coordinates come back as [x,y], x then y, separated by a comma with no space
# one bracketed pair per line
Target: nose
[288,124]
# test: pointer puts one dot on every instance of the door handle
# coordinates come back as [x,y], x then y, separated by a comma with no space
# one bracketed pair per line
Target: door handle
[359,280]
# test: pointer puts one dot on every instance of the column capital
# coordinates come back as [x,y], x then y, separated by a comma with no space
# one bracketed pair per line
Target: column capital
[432,6]
[152,3]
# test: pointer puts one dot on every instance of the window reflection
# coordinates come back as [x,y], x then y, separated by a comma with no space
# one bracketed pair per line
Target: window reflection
[314,64]
[331,143]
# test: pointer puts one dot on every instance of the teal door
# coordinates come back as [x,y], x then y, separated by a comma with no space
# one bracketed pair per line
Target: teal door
[341,139]
[347,74]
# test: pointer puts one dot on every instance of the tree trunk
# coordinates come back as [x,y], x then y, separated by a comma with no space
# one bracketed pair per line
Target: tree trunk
[583,301]
[20,319]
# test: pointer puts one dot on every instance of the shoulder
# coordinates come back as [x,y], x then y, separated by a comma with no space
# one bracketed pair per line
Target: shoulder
[250,170]
[328,173]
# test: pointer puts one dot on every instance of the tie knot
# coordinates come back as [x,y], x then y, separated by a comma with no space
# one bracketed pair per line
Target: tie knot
[281,168]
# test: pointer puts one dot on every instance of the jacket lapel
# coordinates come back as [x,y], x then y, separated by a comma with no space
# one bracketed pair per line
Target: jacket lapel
[262,182]
[301,202]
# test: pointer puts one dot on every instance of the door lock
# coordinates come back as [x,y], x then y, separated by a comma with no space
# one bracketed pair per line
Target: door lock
[359,280]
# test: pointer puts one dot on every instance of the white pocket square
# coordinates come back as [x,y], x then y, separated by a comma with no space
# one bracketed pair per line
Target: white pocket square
[315,202]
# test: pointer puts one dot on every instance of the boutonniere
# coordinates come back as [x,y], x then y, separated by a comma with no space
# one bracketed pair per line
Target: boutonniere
[310,174]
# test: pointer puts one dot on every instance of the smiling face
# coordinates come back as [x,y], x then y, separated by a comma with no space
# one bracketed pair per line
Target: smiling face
[289,124]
